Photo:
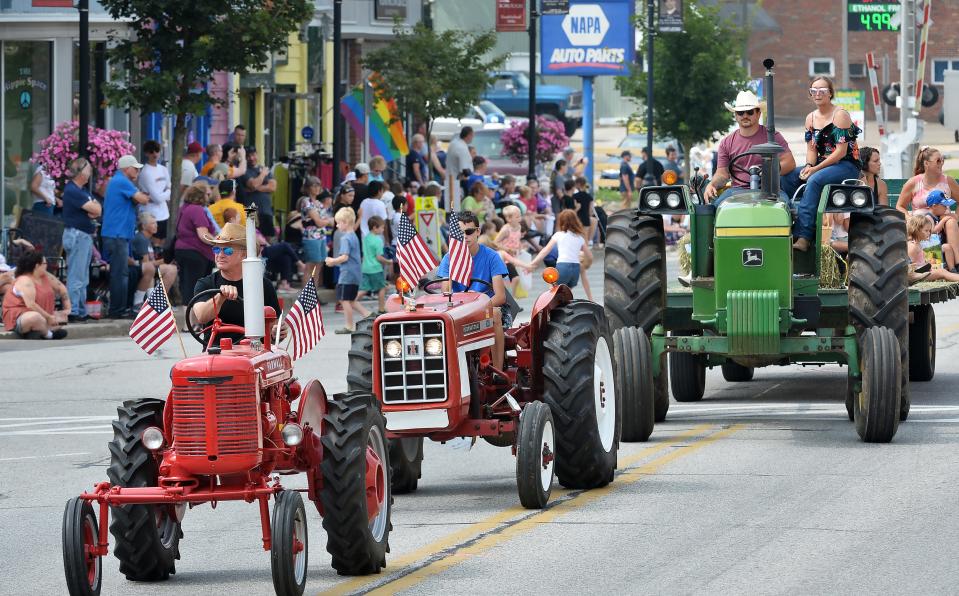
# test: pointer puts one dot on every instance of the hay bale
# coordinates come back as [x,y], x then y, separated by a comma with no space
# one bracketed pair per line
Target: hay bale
[685,259]
[830,274]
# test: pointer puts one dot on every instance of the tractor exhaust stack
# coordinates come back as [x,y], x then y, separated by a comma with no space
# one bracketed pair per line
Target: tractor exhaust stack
[252,281]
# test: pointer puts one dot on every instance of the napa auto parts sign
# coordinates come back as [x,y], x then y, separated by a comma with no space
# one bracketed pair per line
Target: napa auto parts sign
[592,39]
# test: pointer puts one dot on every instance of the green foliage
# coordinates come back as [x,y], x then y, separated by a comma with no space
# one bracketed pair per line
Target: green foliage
[694,72]
[434,74]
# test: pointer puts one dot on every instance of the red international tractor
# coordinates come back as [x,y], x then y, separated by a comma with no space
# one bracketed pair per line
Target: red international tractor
[234,420]
[428,360]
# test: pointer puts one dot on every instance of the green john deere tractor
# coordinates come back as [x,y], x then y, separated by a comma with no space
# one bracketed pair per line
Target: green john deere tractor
[753,301]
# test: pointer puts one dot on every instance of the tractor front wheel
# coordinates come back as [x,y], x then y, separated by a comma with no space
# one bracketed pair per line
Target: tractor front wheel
[406,464]
[922,344]
[735,372]
[635,271]
[147,536]
[289,549]
[580,388]
[535,455]
[634,378]
[876,407]
[356,494]
[81,533]
[687,376]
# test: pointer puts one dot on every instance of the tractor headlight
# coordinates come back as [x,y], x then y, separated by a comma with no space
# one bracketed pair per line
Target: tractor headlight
[292,434]
[673,200]
[654,200]
[152,438]
[394,349]
[838,198]
[859,198]
[434,346]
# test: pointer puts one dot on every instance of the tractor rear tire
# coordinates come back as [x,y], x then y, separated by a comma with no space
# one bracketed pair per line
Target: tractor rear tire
[877,406]
[735,372]
[878,282]
[687,376]
[922,344]
[634,379]
[406,464]
[580,389]
[353,424]
[290,545]
[84,572]
[535,455]
[147,536]
[359,376]
[635,271]
[661,387]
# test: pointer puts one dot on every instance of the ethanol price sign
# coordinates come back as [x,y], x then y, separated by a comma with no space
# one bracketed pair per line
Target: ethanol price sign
[872,15]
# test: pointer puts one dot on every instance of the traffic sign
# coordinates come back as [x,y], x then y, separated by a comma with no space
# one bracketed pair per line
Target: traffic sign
[871,15]
[554,7]
[592,39]
[307,133]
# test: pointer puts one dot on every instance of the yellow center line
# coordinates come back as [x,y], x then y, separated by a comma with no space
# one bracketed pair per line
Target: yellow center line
[492,523]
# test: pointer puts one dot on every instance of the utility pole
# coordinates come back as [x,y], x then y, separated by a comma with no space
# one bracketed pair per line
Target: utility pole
[337,89]
[531,128]
[84,120]
[650,10]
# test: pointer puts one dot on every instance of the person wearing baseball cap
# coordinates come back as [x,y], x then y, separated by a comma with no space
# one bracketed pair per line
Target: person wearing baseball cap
[229,250]
[945,225]
[194,151]
[119,226]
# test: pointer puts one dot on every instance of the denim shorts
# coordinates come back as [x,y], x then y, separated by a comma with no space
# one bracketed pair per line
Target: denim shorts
[568,273]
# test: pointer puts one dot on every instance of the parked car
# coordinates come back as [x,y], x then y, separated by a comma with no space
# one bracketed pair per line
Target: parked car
[485,115]
[635,143]
[510,91]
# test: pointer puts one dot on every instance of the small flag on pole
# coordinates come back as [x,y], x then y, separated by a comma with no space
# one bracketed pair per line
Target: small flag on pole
[461,261]
[154,324]
[305,322]
[415,258]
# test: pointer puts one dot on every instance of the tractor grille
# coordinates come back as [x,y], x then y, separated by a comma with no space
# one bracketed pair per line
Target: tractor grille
[414,376]
[576,100]
[234,410]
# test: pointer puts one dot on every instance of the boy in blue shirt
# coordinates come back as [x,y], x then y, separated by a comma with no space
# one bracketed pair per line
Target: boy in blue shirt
[348,284]
[489,267]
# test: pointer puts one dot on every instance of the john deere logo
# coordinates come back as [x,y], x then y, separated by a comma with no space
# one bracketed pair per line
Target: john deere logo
[752,257]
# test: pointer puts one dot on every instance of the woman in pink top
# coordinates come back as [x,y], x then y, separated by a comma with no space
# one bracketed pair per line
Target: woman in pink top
[928,177]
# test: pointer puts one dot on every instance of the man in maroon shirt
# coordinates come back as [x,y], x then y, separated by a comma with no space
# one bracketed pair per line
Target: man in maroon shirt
[750,134]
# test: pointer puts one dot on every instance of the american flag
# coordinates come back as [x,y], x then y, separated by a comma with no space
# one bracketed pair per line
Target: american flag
[414,257]
[305,321]
[461,261]
[154,324]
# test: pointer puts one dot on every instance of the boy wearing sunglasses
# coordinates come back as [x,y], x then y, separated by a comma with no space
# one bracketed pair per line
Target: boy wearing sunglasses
[229,250]
[489,267]
[750,133]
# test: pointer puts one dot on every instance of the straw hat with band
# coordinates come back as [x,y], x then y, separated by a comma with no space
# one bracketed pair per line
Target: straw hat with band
[233,235]
[745,100]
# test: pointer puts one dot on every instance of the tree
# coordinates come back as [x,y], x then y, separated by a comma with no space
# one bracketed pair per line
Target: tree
[694,72]
[174,48]
[434,74]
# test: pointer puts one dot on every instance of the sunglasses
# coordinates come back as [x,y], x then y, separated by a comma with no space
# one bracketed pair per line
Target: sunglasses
[227,250]
[746,112]
[814,91]
[937,160]
[469,231]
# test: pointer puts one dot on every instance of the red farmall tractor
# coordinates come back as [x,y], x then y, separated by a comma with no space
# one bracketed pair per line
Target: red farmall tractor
[555,403]
[234,420]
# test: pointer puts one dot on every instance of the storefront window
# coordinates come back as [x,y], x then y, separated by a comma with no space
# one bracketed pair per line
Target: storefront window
[27,114]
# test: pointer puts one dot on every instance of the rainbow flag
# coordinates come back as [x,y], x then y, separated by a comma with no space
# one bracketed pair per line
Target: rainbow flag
[386,139]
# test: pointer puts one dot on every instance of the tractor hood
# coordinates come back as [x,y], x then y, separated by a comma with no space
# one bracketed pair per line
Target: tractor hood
[752,210]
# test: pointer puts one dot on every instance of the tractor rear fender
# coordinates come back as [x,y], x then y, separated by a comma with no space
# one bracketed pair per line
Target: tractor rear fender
[312,406]
[554,297]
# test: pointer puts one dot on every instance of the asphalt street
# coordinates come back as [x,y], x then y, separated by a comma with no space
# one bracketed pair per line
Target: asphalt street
[763,487]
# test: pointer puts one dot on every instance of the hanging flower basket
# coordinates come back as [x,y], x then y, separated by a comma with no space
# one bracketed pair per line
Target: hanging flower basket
[105,147]
[550,139]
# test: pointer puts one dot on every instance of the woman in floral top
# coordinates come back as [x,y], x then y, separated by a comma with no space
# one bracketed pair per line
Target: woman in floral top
[315,220]
[832,155]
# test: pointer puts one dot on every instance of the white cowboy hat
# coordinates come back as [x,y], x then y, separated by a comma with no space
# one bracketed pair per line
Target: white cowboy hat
[746,100]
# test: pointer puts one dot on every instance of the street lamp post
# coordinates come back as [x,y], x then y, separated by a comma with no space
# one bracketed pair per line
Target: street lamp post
[531,127]
[650,9]
[337,89]
[84,120]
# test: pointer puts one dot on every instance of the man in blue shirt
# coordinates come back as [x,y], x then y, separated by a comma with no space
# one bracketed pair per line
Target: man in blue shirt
[489,267]
[119,226]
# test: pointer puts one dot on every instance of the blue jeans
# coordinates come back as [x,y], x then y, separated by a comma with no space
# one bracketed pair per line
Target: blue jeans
[44,208]
[806,220]
[79,248]
[119,251]
[568,274]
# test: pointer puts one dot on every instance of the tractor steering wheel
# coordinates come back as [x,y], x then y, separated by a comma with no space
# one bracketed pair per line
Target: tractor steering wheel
[734,167]
[216,326]
[431,286]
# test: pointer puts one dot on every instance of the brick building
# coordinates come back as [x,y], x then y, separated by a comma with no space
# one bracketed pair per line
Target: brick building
[809,38]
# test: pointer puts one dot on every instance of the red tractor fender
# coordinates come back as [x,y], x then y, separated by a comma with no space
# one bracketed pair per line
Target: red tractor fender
[556,296]
[312,407]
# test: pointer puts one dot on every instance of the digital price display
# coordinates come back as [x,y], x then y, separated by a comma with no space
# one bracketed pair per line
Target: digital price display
[872,15]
